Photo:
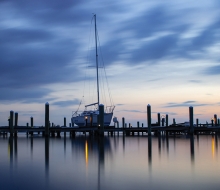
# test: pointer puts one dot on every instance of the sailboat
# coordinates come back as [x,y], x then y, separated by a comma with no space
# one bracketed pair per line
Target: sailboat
[90,117]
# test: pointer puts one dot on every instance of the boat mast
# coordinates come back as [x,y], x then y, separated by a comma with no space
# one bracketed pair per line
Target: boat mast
[97,64]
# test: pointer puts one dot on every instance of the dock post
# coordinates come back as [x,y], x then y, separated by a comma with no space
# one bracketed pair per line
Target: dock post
[64,121]
[101,119]
[32,125]
[158,119]
[191,119]
[11,126]
[142,125]
[123,125]
[16,123]
[197,122]
[32,122]
[138,126]
[174,121]
[215,119]
[149,119]
[47,122]
[163,121]
[167,122]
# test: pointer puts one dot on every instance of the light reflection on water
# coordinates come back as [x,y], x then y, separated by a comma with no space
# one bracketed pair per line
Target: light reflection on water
[110,163]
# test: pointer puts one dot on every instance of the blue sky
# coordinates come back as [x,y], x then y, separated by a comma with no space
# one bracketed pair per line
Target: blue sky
[162,53]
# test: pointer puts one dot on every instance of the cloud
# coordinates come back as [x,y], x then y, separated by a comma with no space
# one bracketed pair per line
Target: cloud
[23,95]
[67,103]
[120,104]
[213,70]
[195,81]
[134,111]
[184,104]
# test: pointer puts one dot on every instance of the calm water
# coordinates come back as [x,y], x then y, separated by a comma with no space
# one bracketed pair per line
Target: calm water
[110,163]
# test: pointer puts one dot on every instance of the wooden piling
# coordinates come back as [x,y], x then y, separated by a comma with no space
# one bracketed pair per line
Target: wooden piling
[101,119]
[163,121]
[47,122]
[197,122]
[149,119]
[64,121]
[191,120]
[158,119]
[167,121]
[16,123]
[11,126]
[32,122]
[215,120]
[123,125]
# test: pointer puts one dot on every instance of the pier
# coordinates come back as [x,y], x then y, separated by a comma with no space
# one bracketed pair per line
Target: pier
[158,128]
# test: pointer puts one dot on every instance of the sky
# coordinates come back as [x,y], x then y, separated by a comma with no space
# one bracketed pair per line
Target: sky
[162,53]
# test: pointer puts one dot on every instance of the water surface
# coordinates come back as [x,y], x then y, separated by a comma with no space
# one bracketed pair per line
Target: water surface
[114,162]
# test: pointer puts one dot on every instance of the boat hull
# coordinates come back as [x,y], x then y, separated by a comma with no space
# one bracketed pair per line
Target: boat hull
[90,120]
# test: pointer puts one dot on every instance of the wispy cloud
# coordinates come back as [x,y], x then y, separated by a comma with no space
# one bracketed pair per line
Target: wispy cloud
[67,103]
[185,104]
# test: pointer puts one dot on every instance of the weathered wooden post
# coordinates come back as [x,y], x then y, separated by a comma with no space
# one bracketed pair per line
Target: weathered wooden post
[142,127]
[11,126]
[86,119]
[101,119]
[158,119]
[123,125]
[16,123]
[32,122]
[215,119]
[32,125]
[27,124]
[163,121]
[191,120]
[47,122]
[64,121]
[167,122]
[197,122]
[149,119]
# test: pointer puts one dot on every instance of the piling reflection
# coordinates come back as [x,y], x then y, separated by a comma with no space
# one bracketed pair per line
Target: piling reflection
[47,155]
[150,151]
[10,149]
[167,142]
[159,144]
[192,149]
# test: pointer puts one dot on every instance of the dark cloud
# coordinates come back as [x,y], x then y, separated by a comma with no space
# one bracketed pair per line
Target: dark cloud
[39,43]
[134,111]
[213,70]
[119,104]
[184,104]
[164,113]
[67,103]
[155,49]
[195,81]
[22,95]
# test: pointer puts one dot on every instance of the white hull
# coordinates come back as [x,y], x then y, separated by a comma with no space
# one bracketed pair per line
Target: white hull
[84,120]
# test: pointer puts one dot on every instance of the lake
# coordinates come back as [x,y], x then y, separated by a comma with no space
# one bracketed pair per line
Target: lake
[133,162]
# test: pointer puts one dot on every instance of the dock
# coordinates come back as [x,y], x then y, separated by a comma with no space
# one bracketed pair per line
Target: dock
[161,127]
